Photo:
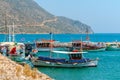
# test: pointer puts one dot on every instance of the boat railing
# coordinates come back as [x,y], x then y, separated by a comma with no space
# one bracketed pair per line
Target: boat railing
[79,60]
[51,59]
[71,61]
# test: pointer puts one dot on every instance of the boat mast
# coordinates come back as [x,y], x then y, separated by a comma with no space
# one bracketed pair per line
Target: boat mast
[13,35]
[81,45]
[6,28]
[51,45]
[81,48]
[9,32]
[87,35]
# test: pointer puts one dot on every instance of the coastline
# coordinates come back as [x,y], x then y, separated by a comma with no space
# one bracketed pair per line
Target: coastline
[13,71]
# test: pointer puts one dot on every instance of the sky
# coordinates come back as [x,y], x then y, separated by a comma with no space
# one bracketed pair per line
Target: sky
[102,15]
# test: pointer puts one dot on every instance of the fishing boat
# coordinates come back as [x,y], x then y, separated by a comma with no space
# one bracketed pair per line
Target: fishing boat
[12,49]
[88,46]
[112,46]
[75,59]
[45,45]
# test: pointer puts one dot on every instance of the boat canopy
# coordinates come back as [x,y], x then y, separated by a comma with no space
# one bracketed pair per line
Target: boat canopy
[7,43]
[11,43]
[66,52]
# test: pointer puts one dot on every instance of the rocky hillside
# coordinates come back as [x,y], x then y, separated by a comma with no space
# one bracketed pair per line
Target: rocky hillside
[29,17]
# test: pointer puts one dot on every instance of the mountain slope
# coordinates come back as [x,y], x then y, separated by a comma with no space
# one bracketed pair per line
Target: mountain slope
[29,17]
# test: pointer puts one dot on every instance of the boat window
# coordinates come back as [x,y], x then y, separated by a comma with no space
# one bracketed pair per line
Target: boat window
[75,56]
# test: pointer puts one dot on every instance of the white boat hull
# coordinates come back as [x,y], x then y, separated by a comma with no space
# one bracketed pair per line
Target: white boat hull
[92,63]
[96,50]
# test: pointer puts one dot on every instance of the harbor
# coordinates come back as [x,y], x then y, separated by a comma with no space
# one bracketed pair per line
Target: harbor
[105,58]
[54,40]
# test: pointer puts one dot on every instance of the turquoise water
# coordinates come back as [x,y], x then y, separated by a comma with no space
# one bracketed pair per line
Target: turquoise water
[65,37]
[108,69]
[109,61]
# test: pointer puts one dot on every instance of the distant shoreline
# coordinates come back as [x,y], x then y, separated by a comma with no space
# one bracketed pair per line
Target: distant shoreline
[65,33]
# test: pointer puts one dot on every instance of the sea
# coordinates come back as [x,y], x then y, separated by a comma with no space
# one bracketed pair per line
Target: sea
[109,61]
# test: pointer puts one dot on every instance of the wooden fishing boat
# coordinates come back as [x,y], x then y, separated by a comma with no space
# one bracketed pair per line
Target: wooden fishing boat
[76,59]
[46,45]
[88,46]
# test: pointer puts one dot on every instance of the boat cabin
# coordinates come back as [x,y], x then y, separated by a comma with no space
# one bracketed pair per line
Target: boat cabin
[75,56]
[45,44]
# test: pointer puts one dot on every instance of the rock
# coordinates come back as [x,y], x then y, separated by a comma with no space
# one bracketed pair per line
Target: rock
[10,70]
